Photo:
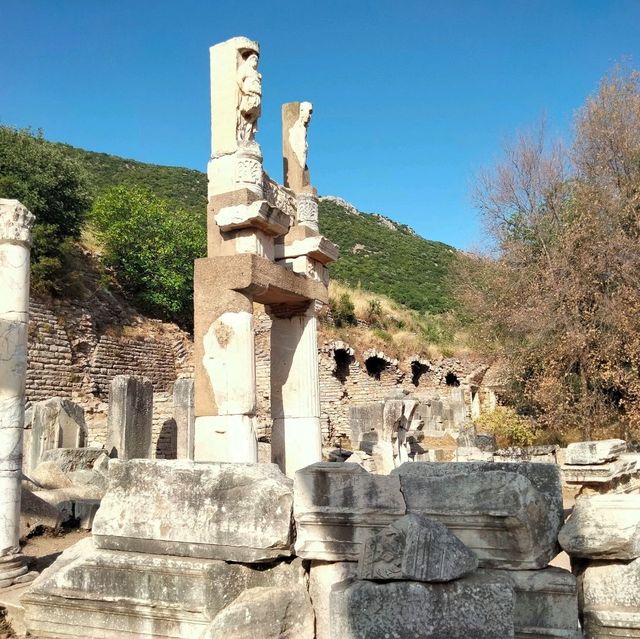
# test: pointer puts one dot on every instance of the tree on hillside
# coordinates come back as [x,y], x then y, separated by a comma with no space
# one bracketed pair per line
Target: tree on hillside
[560,298]
[151,245]
[55,189]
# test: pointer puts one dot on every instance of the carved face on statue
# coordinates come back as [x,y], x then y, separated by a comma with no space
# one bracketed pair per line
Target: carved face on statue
[306,110]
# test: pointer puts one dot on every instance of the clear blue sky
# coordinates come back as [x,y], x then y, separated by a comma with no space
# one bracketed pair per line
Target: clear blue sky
[410,99]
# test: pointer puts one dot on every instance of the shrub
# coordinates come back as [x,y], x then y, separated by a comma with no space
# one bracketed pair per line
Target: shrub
[343,311]
[509,428]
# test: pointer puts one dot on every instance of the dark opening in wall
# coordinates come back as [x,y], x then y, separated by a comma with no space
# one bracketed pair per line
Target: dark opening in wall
[451,379]
[375,366]
[343,360]
[418,369]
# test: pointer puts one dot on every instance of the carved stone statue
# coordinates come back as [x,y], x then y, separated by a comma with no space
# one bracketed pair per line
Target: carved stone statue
[250,98]
[298,133]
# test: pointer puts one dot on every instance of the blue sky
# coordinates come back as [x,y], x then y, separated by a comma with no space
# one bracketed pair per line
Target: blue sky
[410,99]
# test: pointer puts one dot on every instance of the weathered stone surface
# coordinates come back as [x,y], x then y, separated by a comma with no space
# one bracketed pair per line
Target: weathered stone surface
[603,527]
[597,452]
[270,613]
[76,502]
[337,507]
[609,594]
[603,473]
[88,477]
[184,414]
[546,602]
[323,576]
[365,421]
[36,513]
[56,423]
[112,594]
[464,609]
[508,514]
[415,548]
[235,512]
[48,475]
[70,459]
[130,418]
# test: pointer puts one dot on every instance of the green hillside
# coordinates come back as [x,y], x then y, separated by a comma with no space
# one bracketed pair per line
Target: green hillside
[376,254]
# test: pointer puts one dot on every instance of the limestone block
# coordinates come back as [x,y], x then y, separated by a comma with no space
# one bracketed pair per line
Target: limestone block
[259,214]
[464,609]
[48,475]
[114,594]
[70,459]
[36,513]
[609,594]
[318,248]
[56,423]
[415,548]
[597,452]
[74,503]
[235,512]
[546,602]
[365,421]
[598,473]
[183,413]
[338,506]
[322,577]
[130,417]
[296,442]
[508,514]
[603,527]
[101,465]
[270,613]
[88,477]
[226,438]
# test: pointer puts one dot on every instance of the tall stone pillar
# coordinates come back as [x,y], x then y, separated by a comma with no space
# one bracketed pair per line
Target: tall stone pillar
[183,406]
[15,240]
[296,438]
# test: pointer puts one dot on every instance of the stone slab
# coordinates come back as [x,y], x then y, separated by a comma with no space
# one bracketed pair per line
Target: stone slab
[235,512]
[508,514]
[464,609]
[48,475]
[596,452]
[114,594]
[598,473]
[70,459]
[415,548]
[337,506]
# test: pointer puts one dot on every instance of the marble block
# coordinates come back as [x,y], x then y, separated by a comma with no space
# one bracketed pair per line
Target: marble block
[597,452]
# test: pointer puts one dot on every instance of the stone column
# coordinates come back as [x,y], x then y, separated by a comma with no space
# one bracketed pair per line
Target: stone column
[296,438]
[15,240]
[183,413]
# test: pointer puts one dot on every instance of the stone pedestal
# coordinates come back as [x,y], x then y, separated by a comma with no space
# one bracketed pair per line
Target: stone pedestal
[15,239]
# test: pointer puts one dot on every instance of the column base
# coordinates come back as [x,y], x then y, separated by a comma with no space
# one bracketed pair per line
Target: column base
[226,438]
[296,442]
[14,570]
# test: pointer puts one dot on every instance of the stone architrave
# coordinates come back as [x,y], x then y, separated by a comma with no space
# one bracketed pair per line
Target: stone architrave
[296,439]
[56,423]
[124,594]
[235,512]
[596,452]
[337,506]
[508,514]
[296,117]
[603,527]
[546,602]
[130,418]
[470,608]
[609,596]
[415,548]
[270,613]
[15,241]
[183,413]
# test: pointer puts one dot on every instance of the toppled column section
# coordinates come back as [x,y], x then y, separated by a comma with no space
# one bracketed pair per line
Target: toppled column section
[508,514]
[130,419]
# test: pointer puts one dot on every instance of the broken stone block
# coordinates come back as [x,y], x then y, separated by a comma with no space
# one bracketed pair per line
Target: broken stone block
[120,594]
[323,576]
[130,417]
[546,602]
[338,506]
[603,527]
[235,512]
[603,473]
[71,459]
[184,414]
[77,503]
[509,515]
[270,613]
[468,608]
[365,421]
[598,452]
[56,423]
[609,596]
[36,513]
[48,475]
[415,548]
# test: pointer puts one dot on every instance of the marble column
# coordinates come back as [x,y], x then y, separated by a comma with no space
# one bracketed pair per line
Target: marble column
[15,240]
[296,438]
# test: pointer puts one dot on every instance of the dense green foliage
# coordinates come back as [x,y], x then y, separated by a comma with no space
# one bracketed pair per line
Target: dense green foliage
[151,245]
[343,311]
[55,189]
[394,262]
